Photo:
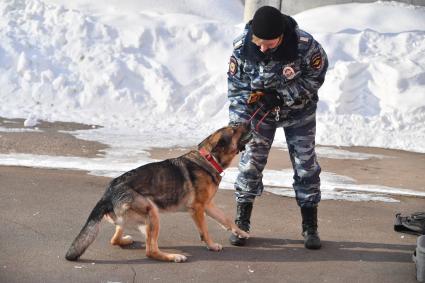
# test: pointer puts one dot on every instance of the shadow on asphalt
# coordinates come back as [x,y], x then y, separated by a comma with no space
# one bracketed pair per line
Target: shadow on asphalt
[280,250]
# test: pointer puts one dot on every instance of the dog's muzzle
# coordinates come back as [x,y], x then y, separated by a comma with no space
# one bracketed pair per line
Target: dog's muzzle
[245,138]
[246,134]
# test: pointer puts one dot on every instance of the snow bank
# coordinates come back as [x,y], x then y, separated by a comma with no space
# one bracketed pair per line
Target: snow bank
[60,64]
[158,72]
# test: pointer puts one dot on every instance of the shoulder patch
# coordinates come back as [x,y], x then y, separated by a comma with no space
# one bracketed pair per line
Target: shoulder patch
[316,61]
[233,66]
[304,39]
[238,43]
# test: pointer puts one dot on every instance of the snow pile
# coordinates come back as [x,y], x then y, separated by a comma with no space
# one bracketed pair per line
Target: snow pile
[375,88]
[155,71]
[58,64]
[31,121]
[381,16]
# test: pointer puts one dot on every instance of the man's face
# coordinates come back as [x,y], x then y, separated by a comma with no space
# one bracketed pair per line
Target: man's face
[267,44]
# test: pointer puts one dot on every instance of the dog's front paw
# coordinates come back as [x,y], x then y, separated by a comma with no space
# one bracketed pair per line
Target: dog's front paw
[179,258]
[126,240]
[240,233]
[215,247]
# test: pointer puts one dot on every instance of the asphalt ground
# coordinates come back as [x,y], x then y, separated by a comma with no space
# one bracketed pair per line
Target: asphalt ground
[41,211]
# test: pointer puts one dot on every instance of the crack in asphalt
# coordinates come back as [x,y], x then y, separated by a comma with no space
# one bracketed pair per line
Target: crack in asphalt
[134,274]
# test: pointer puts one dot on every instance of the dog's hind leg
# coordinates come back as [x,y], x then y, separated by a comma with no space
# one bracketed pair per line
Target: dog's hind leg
[119,239]
[149,210]
[218,215]
[198,215]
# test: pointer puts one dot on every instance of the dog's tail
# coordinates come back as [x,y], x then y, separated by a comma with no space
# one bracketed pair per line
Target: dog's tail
[90,230]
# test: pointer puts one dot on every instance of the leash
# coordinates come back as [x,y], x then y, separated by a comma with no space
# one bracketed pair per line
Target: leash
[277,109]
[261,120]
[210,158]
[255,113]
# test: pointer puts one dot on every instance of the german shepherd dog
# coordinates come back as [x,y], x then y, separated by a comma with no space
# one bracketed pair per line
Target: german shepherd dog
[188,182]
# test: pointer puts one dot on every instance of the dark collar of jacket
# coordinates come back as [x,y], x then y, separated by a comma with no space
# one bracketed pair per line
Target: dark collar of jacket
[286,52]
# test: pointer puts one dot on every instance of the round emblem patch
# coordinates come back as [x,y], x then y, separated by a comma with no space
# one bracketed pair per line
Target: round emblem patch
[289,72]
[233,66]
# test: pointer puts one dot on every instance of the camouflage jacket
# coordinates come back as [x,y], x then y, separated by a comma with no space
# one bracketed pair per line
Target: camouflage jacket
[296,70]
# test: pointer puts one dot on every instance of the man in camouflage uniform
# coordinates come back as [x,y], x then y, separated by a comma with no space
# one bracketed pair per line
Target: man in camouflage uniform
[274,74]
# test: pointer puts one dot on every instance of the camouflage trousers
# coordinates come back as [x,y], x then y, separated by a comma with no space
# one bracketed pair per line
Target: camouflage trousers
[300,137]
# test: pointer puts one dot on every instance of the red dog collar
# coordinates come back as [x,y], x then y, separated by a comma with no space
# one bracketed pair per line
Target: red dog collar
[208,156]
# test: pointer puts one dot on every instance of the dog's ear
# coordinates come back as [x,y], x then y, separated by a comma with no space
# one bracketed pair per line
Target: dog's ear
[211,142]
[205,143]
[219,138]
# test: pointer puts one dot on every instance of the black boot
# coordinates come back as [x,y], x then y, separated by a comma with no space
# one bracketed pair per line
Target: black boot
[311,236]
[243,214]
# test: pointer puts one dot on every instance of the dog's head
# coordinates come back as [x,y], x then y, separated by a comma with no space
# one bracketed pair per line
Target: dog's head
[225,143]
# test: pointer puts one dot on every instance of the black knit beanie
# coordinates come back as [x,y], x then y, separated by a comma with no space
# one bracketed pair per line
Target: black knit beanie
[267,23]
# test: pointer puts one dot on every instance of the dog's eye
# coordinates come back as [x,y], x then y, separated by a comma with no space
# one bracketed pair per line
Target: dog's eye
[223,142]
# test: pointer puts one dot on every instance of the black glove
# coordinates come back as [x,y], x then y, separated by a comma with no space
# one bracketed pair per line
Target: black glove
[271,99]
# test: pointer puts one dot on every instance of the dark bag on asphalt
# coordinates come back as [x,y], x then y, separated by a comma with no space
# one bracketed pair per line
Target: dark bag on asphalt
[412,224]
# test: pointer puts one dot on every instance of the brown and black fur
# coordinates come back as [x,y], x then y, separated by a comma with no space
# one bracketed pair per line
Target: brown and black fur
[188,182]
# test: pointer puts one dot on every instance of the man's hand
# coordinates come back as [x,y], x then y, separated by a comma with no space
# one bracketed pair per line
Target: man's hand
[271,99]
[255,96]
